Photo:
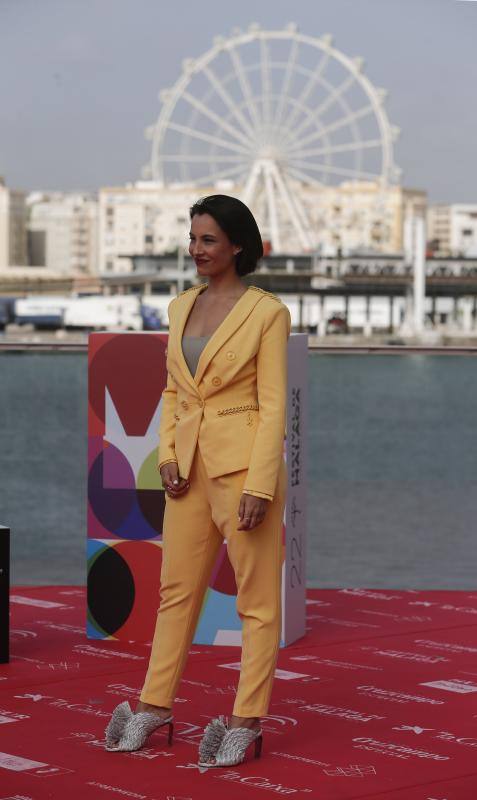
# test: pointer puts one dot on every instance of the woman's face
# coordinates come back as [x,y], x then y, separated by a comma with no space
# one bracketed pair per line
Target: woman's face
[210,247]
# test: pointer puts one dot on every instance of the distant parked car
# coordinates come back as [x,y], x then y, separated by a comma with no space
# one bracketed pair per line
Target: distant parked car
[337,324]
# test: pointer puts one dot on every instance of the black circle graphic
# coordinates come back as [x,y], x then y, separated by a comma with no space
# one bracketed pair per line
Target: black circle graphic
[111,591]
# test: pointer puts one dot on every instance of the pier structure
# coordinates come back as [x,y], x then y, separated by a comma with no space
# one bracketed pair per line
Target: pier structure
[419,293]
[384,287]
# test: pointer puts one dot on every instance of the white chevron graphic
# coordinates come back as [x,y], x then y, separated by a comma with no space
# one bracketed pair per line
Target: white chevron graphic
[135,448]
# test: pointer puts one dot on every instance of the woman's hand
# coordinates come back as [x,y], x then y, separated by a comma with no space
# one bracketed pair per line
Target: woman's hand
[251,512]
[173,484]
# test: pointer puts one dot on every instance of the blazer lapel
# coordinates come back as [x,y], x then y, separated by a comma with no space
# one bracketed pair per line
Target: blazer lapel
[239,313]
[236,317]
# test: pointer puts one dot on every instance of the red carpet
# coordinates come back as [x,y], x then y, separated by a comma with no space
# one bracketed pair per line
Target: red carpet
[379,701]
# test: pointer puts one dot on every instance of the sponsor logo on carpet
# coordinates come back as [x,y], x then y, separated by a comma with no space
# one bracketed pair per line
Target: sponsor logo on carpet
[404,655]
[445,606]
[330,662]
[30,660]
[52,667]
[447,647]
[259,782]
[396,617]
[34,601]
[317,603]
[269,719]
[343,623]
[11,716]
[99,652]
[197,683]
[465,741]
[61,665]
[353,771]
[296,701]
[35,697]
[80,708]
[223,690]
[294,757]
[122,688]
[443,736]
[59,702]
[61,626]
[414,728]
[453,685]
[370,595]
[395,750]
[16,797]
[460,609]
[396,697]
[118,790]
[132,691]
[424,603]
[342,713]
[282,674]
[37,768]
[23,634]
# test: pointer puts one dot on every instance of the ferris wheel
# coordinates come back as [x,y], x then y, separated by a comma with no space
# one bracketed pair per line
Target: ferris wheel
[271,112]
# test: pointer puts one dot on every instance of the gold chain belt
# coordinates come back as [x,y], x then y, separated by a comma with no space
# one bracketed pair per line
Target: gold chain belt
[238,409]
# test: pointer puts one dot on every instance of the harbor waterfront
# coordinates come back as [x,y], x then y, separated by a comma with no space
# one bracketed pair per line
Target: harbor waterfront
[392,455]
[423,300]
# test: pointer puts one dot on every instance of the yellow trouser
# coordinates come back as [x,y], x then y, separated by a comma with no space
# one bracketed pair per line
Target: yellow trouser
[193,531]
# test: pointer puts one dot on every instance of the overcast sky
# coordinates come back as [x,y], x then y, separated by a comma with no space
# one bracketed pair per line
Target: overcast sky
[79,80]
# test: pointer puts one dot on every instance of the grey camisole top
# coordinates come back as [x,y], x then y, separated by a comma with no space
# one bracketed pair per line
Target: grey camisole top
[192,347]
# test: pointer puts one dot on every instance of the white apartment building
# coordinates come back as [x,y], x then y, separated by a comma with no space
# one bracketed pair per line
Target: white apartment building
[63,231]
[148,218]
[452,229]
[13,236]
[141,219]
[358,215]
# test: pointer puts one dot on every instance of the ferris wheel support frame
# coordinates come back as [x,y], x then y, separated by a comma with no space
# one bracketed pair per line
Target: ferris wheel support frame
[274,183]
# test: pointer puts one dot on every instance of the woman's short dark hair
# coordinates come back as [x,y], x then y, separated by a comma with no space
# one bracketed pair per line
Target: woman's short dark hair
[238,223]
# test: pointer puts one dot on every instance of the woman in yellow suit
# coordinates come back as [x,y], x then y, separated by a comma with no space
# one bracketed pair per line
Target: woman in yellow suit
[221,462]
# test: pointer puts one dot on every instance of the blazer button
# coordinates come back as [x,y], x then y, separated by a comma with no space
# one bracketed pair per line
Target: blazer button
[230,355]
[216,381]
[185,404]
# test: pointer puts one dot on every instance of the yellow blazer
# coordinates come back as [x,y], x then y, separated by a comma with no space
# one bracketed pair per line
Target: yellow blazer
[234,407]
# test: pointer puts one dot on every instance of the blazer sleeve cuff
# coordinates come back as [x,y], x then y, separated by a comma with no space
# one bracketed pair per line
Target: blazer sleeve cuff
[258,494]
[167,461]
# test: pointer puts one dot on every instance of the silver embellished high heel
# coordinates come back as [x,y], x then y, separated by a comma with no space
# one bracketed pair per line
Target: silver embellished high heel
[137,729]
[117,723]
[211,741]
[234,745]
